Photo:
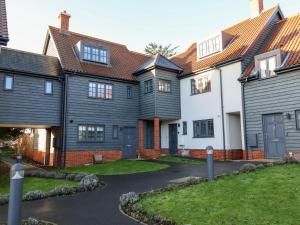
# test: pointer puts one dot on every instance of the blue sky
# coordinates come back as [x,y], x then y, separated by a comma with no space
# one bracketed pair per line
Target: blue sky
[132,22]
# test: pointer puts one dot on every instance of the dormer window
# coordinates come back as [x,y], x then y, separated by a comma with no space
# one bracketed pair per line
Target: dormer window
[267,67]
[214,44]
[209,46]
[267,63]
[93,53]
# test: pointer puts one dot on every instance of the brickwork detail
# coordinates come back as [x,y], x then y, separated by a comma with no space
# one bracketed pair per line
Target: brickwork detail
[150,153]
[39,156]
[77,158]
[218,154]
[255,154]
[156,134]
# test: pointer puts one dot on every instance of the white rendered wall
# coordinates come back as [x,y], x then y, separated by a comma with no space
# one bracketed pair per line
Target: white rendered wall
[232,98]
[208,106]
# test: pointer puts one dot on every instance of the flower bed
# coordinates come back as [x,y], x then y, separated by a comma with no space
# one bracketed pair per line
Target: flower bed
[33,221]
[86,183]
[130,202]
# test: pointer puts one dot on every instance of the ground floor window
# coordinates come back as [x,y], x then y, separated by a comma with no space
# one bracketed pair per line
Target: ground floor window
[298,119]
[203,128]
[91,133]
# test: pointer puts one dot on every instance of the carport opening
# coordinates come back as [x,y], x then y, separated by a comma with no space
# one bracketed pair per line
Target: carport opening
[36,143]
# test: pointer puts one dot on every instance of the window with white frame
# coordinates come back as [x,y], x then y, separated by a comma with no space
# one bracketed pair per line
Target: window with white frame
[209,47]
[200,85]
[100,90]
[91,133]
[148,86]
[203,128]
[267,66]
[48,87]
[8,82]
[164,85]
[95,54]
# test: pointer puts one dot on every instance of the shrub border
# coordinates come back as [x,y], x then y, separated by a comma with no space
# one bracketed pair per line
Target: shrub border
[68,190]
[132,210]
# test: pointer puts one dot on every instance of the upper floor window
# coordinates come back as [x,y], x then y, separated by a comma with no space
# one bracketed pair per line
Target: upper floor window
[200,85]
[8,82]
[91,133]
[164,85]
[48,87]
[209,46]
[95,54]
[266,63]
[100,90]
[129,92]
[267,67]
[148,86]
[203,128]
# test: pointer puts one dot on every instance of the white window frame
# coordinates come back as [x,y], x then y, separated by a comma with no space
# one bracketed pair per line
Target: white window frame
[91,133]
[46,87]
[94,53]
[11,87]
[164,85]
[100,90]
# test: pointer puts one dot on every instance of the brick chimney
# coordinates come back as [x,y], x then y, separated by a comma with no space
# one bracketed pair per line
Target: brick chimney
[257,6]
[64,19]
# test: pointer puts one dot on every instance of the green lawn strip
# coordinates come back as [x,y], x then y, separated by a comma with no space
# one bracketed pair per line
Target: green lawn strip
[264,197]
[33,183]
[117,167]
[176,159]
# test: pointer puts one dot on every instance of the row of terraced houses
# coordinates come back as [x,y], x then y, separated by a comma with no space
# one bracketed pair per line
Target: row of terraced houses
[236,90]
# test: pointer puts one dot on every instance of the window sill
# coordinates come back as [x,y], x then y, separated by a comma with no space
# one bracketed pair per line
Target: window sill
[201,93]
[205,137]
[86,142]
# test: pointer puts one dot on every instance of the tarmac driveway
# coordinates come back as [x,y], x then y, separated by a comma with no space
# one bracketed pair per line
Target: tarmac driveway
[101,207]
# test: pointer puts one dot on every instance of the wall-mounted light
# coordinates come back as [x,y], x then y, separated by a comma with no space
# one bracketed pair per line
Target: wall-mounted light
[288,116]
[71,121]
[178,124]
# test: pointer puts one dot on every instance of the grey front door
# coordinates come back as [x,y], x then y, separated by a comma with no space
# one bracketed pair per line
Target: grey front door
[273,129]
[129,140]
[173,142]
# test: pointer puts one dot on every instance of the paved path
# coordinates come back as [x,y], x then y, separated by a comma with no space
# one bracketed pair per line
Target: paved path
[101,207]
[10,161]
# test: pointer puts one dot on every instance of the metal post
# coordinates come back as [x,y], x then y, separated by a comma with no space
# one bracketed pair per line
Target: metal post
[15,194]
[210,163]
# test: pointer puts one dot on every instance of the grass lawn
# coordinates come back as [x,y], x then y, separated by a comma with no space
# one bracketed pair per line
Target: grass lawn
[117,167]
[33,183]
[265,197]
[176,159]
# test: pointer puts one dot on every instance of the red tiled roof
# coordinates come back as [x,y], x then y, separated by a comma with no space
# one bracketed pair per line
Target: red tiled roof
[285,36]
[3,22]
[244,34]
[123,62]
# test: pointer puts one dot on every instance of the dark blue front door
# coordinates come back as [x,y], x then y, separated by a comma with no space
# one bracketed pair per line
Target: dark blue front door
[129,140]
[173,142]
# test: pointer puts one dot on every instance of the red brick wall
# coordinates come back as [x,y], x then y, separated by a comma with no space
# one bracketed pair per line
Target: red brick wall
[150,153]
[256,154]
[77,158]
[156,134]
[218,154]
[141,134]
[39,156]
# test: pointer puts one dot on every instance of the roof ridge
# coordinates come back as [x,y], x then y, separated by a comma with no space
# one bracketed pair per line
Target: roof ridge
[99,39]
[22,51]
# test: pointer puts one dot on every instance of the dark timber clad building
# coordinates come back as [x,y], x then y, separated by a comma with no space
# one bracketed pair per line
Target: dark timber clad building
[86,96]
